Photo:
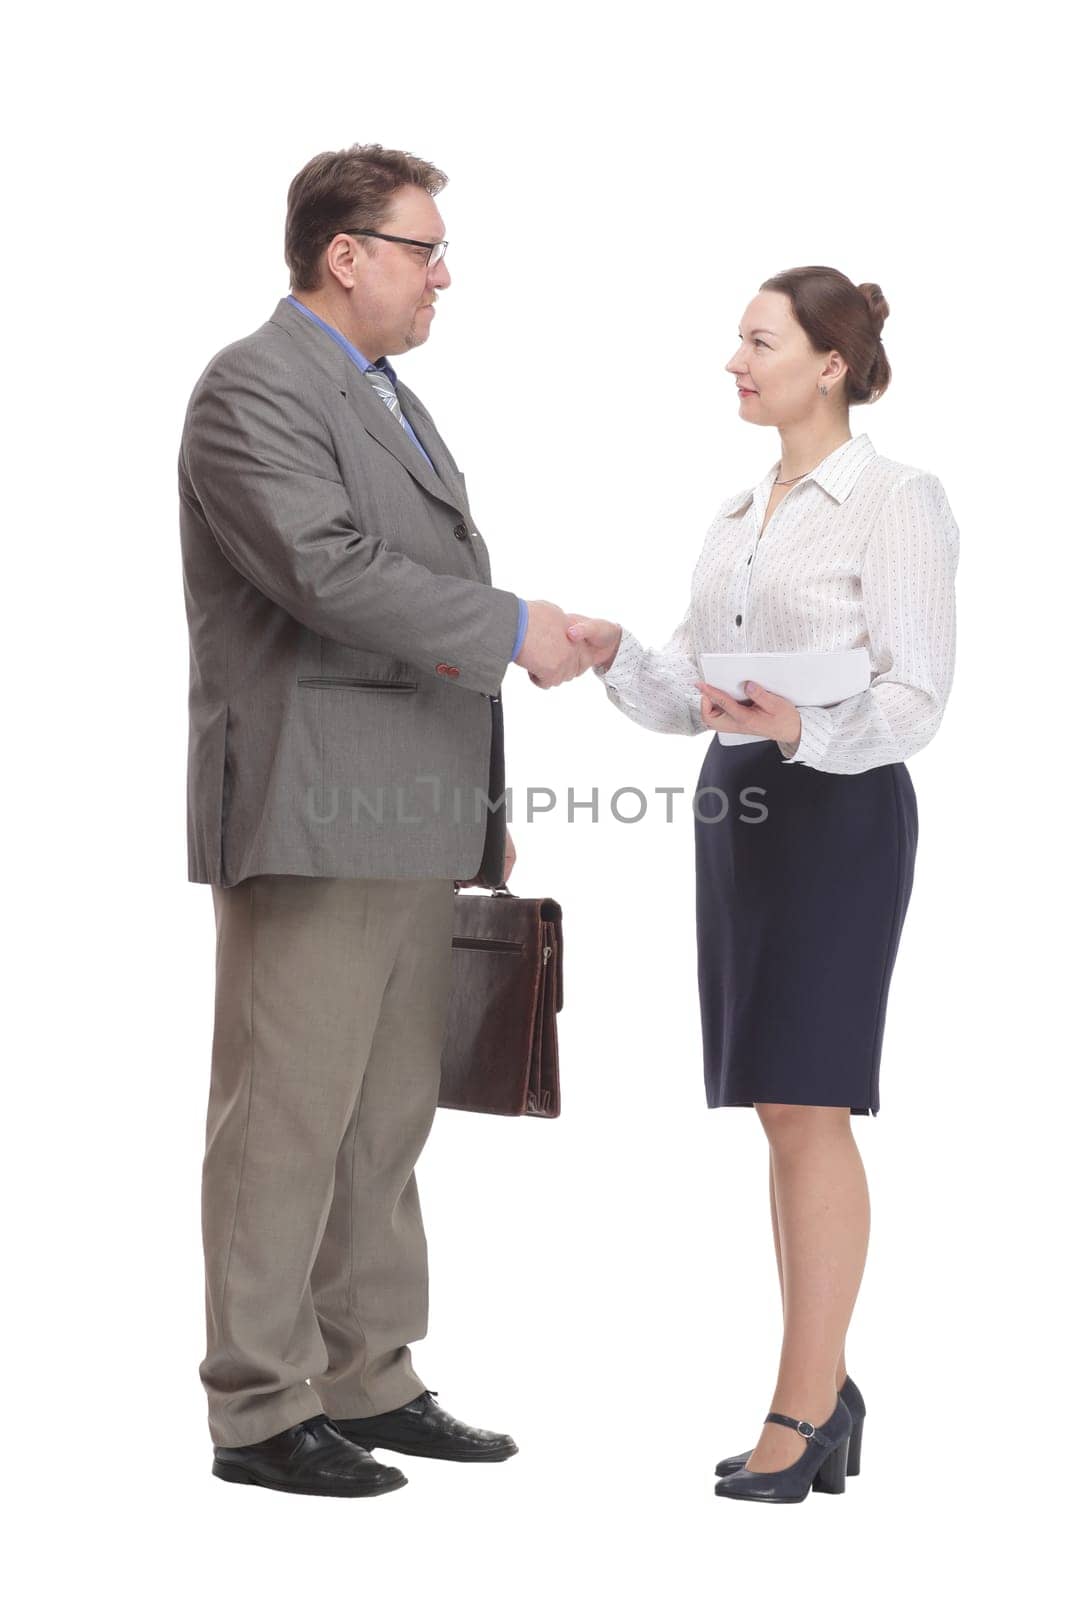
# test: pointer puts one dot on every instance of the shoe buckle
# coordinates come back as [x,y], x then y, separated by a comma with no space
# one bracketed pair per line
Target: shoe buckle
[806,1428]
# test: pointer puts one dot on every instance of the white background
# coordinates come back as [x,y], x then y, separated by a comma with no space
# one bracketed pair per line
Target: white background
[602,1286]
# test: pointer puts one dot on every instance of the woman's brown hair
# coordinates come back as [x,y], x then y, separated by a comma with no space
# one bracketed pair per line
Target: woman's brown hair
[341,190]
[837,314]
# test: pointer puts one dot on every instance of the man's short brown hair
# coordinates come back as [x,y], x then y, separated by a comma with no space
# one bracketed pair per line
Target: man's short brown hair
[344,189]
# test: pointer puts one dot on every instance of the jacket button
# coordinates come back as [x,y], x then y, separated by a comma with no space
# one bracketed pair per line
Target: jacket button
[460,530]
[748,563]
[737,619]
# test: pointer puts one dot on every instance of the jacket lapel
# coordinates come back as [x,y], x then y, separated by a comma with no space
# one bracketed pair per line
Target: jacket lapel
[432,443]
[390,432]
[372,414]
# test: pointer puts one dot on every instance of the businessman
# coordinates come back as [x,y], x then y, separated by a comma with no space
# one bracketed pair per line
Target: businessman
[346,771]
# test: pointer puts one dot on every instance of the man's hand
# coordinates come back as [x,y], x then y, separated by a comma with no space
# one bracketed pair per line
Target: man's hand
[547,654]
[509,857]
[597,640]
[509,862]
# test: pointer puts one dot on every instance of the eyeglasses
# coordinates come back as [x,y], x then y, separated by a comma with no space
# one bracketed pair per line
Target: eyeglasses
[434,251]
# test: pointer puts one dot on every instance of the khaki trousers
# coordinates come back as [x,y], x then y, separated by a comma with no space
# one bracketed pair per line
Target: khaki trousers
[331,1000]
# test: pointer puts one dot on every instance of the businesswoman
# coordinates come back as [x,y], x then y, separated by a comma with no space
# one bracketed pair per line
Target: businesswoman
[799,911]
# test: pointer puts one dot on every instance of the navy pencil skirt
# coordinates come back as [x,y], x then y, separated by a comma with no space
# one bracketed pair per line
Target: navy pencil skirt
[802,882]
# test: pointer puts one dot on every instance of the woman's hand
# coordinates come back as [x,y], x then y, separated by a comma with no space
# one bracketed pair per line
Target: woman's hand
[771,715]
[599,640]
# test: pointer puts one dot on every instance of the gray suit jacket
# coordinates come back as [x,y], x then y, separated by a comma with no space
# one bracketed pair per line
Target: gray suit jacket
[346,646]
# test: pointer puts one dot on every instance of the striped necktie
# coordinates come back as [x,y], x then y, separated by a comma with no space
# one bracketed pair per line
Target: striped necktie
[379,382]
[383,388]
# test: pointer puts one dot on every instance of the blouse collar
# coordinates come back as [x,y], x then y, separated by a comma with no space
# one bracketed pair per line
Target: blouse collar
[838,474]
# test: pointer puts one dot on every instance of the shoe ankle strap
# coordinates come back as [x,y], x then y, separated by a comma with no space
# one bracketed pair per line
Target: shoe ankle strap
[807,1430]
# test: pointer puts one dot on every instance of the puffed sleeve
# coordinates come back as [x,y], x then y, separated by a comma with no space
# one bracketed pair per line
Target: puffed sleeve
[655,687]
[907,583]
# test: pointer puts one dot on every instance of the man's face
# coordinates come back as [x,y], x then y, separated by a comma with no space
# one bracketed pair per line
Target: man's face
[394,291]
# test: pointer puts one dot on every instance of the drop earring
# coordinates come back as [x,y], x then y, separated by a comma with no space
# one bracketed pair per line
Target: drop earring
[823,389]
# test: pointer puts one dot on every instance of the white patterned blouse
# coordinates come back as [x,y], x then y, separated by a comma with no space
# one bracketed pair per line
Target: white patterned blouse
[862,551]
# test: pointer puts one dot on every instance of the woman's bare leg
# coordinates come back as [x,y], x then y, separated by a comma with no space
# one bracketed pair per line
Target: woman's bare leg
[822,1225]
[842,1371]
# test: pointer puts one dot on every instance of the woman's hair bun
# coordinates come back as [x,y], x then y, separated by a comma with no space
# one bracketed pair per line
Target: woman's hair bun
[877,304]
[827,305]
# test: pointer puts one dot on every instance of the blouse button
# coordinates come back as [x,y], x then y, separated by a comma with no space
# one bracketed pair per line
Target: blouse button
[748,563]
[737,619]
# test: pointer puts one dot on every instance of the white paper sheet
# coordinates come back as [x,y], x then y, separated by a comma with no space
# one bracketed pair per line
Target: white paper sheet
[806,677]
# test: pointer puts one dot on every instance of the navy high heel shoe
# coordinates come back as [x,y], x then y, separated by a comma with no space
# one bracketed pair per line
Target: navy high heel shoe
[823,1463]
[850,1394]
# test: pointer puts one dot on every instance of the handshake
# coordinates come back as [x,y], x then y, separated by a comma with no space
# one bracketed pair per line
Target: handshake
[558,646]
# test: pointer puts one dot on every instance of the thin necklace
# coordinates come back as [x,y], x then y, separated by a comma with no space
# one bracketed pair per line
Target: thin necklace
[787,481]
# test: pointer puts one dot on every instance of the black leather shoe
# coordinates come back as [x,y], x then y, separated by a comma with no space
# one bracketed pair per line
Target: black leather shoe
[824,1460]
[310,1458]
[850,1394]
[423,1428]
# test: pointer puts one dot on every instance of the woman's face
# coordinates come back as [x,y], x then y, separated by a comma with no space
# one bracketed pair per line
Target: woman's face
[777,372]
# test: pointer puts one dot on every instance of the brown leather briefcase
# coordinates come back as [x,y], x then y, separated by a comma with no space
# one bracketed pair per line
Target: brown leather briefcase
[501,1050]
